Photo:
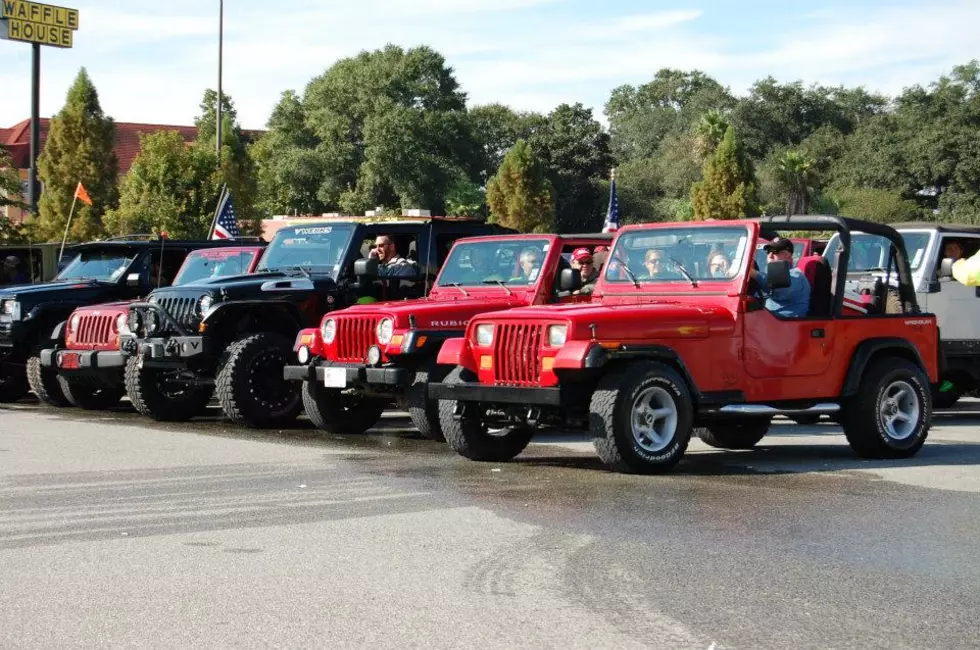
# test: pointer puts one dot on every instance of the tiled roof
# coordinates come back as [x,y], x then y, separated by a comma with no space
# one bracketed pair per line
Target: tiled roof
[18,139]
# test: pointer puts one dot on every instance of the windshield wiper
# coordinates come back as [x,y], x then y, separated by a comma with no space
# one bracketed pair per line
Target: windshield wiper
[685,272]
[504,286]
[456,284]
[303,270]
[629,271]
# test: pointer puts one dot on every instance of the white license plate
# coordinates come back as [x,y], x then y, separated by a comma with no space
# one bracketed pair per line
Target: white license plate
[335,377]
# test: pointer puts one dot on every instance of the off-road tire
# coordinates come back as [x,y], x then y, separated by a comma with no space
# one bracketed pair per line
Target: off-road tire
[44,383]
[13,386]
[335,411]
[861,415]
[91,397]
[146,390]
[424,411]
[469,436]
[254,366]
[735,435]
[610,417]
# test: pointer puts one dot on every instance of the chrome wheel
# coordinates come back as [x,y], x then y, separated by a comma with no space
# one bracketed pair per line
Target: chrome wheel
[654,419]
[899,410]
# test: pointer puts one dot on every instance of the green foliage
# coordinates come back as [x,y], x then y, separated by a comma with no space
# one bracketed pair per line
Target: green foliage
[464,198]
[796,175]
[874,204]
[392,129]
[727,190]
[495,129]
[519,195]
[79,148]
[171,187]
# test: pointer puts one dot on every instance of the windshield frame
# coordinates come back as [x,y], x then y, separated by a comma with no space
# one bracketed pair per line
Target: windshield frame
[331,270]
[914,269]
[133,256]
[217,253]
[518,244]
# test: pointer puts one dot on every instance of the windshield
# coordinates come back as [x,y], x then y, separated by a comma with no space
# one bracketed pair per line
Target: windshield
[511,261]
[870,252]
[105,266]
[678,254]
[211,264]
[318,249]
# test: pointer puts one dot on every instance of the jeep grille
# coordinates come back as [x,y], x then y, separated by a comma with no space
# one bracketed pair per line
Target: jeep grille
[354,336]
[517,354]
[94,330]
[181,309]
[5,329]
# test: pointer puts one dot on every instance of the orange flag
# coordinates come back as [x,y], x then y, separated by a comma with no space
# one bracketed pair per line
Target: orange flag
[82,195]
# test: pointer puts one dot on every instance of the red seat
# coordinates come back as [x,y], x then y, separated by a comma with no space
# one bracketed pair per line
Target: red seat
[818,274]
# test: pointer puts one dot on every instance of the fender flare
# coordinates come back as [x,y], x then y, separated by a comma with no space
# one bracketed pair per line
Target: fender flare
[598,357]
[866,350]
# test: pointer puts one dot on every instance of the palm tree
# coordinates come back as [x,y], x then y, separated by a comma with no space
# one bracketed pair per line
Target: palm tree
[796,173]
[709,132]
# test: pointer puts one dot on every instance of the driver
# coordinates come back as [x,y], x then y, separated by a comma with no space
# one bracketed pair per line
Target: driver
[792,301]
[391,264]
[481,267]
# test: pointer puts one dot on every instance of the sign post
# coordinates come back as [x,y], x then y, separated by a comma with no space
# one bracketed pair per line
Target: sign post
[37,24]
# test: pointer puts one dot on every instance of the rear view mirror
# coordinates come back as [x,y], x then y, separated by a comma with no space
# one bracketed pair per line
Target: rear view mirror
[777,274]
[366,268]
[133,280]
[946,268]
[569,280]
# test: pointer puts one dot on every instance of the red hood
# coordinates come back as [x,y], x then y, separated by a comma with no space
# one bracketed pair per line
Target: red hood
[117,307]
[437,314]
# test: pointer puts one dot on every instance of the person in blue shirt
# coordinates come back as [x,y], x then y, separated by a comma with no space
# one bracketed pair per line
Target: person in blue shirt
[794,300]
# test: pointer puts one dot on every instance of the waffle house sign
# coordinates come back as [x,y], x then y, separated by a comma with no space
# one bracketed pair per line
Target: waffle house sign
[33,22]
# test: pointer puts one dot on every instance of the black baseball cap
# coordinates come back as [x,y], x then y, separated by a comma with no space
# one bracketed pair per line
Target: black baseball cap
[778,245]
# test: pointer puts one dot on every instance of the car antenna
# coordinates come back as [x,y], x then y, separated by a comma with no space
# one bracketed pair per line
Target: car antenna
[428,261]
[163,239]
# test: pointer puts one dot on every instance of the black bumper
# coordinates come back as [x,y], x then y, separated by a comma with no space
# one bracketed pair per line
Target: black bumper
[88,360]
[473,392]
[12,334]
[170,349]
[385,376]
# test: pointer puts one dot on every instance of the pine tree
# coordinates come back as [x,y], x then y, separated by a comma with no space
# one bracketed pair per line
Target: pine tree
[79,149]
[727,190]
[519,195]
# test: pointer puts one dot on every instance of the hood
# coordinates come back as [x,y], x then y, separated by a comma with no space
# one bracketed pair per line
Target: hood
[77,292]
[646,322]
[259,286]
[438,314]
[107,306]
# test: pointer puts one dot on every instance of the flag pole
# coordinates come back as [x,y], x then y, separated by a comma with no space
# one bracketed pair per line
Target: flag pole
[70,213]
[217,209]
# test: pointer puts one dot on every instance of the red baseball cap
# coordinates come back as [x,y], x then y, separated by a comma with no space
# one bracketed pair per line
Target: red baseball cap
[581,255]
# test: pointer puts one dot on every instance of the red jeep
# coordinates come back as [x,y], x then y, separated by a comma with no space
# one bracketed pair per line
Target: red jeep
[657,354]
[363,357]
[91,367]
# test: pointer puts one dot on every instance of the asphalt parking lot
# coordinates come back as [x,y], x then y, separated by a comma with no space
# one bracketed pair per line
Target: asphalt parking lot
[116,531]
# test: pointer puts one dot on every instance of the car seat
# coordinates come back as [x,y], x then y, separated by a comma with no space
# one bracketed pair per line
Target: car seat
[818,274]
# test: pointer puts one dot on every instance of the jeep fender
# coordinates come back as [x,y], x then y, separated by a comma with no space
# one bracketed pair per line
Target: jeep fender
[286,316]
[598,357]
[870,348]
[457,352]
[58,333]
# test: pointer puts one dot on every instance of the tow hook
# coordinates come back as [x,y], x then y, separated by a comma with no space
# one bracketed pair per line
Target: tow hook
[459,411]
[533,417]
[173,349]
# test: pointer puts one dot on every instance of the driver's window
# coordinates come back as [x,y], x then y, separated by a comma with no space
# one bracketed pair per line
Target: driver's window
[956,248]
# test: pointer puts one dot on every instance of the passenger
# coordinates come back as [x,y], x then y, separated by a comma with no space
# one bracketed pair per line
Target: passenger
[391,264]
[530,261]
[654,263]
[11,273]
[791,301]
[718,265]
[582,260]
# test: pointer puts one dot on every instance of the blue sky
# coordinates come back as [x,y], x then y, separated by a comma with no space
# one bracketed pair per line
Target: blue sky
[151,61]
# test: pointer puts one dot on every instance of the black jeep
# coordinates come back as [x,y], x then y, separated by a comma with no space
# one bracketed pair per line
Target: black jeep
[32,317]
[233,337]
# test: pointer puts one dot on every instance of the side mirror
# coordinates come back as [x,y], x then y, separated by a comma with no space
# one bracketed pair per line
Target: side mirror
[133,280]
[569,280]
[777,275]
[946,269]
[366,268]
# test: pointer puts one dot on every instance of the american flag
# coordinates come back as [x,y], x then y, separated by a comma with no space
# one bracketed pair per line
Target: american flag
[225,224]
[612,213]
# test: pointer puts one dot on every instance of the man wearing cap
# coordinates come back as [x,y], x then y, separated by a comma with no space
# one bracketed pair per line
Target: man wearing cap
[792,301]
[582,260]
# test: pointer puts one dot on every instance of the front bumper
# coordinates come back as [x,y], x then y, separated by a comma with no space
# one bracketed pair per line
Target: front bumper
[356,374]
[12,333]
[475,392]
[170,349]
[83,361]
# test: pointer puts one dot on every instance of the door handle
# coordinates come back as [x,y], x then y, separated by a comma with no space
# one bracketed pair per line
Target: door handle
[817,333]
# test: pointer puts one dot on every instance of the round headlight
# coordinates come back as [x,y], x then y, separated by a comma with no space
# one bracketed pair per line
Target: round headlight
[74,322]
[556,335]
[484,335]
[374,355]
[152,322]
[329,330]
[385,329]
[303,354]
[135,321]
[205,304]
[122,324]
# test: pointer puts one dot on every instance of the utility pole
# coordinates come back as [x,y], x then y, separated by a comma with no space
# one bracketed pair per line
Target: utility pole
[32,188]
[221,32]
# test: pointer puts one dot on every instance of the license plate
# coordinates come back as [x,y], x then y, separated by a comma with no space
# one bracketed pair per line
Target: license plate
[335,377]
[70,360]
